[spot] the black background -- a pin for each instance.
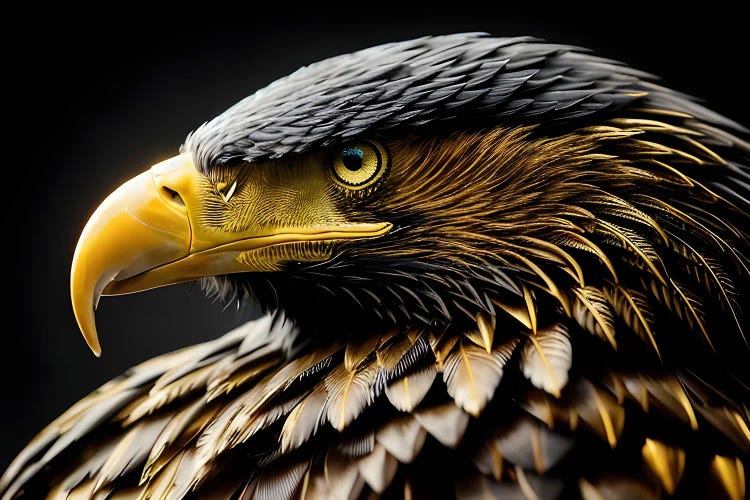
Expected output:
(88, 104)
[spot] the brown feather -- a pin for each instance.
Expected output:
(593, 313)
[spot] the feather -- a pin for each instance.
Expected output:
(518, 311)
(730, 423)
(342, 477)
(547, 357)
(348, 393)
(593, 313)
(358, 350)
(445, 422)
(279, 483)
(322, 362)
(357, 446)
(552, 287)
(612, 205)
(637, 244)
(378, 468)
(485, 334)
(472, 374)
(665, 463)
(728, 476)
(526, 487)
(225, 384)
(711, 274)
(553, 253)
(575, 240)
(187, 478)
(477, 486)
(403, 438)
(538, 486)
(304, 420)
(181, 428)
(681, 302)
(600, 411)
(88, 467)
(262, 419)
(408, 391)
(85, 491)
(170, 392)
(531, 446)
(633, 308)
(623, 487)
(161, 483)
(488, 459)
(131, 451)
(663, 392)
(390, 353)
(418, 354)
(247, 414)
(552, 411)
(441, 347)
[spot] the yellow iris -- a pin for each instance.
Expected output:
(359, 165)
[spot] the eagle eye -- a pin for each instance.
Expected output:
(359, 165)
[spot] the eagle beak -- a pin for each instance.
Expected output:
(149, 233)
(142, 225)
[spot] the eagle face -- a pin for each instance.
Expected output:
(423, 183)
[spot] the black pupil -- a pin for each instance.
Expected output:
(352, 158)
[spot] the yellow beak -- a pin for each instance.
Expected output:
(147, 234)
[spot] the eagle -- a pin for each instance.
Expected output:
(487, 267)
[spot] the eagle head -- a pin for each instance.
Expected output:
(463, 182)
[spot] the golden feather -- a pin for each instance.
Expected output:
(666, 463)
(600, 411)
(594, 314)
(357, 351)
(728, 474)
(633, 308)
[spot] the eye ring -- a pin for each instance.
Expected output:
(359, 165)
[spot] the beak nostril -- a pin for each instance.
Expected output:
(173, 195)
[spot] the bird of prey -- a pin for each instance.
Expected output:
(489, 267)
